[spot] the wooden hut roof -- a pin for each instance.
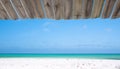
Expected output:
(59, 9)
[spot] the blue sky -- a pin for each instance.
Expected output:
(60, 36)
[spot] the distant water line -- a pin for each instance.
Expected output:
(85, 56)
(89, 56)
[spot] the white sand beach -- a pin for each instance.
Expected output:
(58, 63)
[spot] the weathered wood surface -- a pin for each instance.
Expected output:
(39, 8)
(26, 5)
(87, 8)
(3, 14)
(31, 8)
(10, 9)
(68, 7)
(48, 5)
(108, 8)
(116, 12)
(59, 9)
(77, 8)
(19, 8)
(97, 7)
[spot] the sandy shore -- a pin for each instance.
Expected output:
(58, 63)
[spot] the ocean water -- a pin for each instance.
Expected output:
(87, 56)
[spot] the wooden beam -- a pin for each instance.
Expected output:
(77, 8)
(58, 8)
(49, 8)
(10, 9)
(97, 7)
(19, 8)
(108, 8)
(31, 8)
(35, 8)
(116, 12)
(39, 8)
(26, 4)
(3, 14)
(68, 8)
(87, 8)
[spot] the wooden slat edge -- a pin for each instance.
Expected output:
(87, 8)
(39, 8)
(48, 8)
(116, 13)
(77, 8)
(68, 9)
(98, 4)
(10, 9)
(108, 8)
(19, 8)
(3, 14)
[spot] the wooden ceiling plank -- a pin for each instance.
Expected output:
(3, 14)
(34, 8)
(49, 8)
(108, 8)
(77, 8)
(58, 8)
(24, 7)
(68, 9)
(10, 9)
(116, 12)
(24, 2)
(87, 8)
(19, 8)
(39, 8)
(29, 8)
(97, 7)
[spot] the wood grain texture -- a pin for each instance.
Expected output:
(58, 8)
(39, 8)
(27, 6)
(68, 8)
(19, 8)
(77, 8)
(3, 14)
(49, 8)
(31, 8)
(10, 9)
(97, 7)
(116, 12)
(108, 8)
(87, 8)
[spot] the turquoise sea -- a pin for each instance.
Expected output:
(86, 56)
